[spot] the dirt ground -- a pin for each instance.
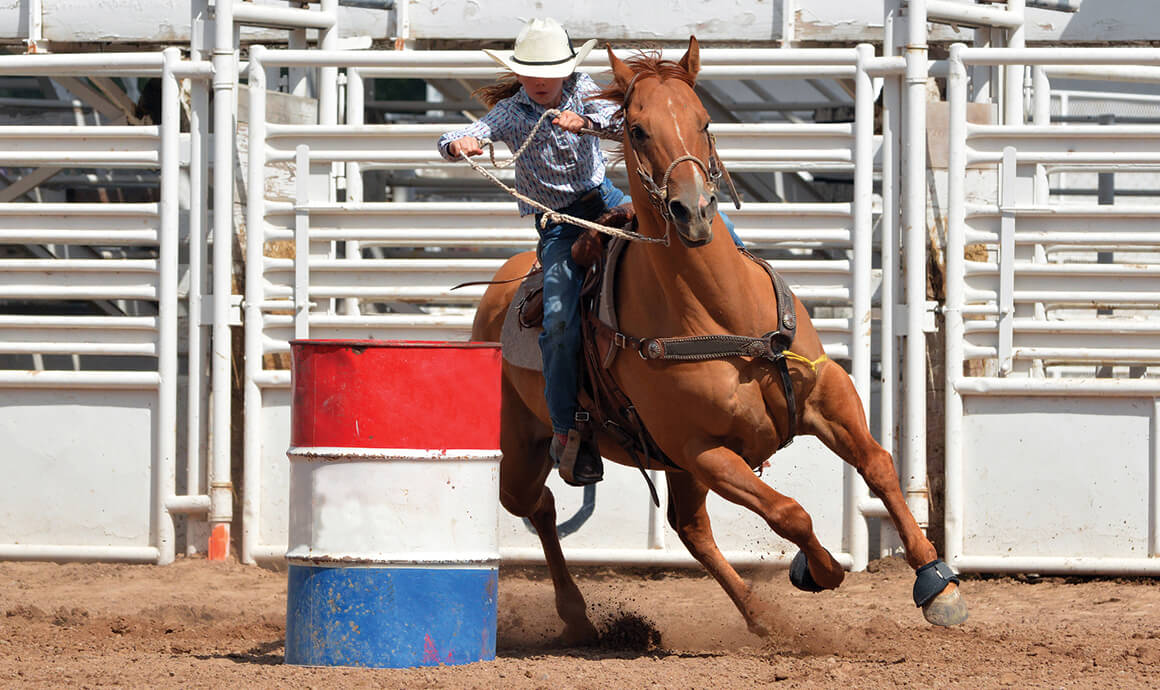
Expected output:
(200, 624)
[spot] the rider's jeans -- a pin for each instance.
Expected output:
(560, 340)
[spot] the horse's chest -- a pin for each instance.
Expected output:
(708, 396)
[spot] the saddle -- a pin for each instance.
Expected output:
(602, 404)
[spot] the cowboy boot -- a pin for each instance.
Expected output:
(579, 459)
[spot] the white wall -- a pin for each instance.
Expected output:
(715, 20)
(711, 20)
(145, 21)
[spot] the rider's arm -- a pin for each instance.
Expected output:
(494, 125)
(601, 113)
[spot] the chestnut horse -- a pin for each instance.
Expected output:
(718, 419)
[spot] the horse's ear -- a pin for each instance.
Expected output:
(621, 72)
(692, 60)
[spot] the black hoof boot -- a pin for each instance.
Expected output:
(799, 574)
(939, 608)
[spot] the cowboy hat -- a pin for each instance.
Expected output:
(543, 49)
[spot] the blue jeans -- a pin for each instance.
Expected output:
(560, 340)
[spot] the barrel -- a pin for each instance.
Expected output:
(393, 551)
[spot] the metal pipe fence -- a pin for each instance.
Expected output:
(1052, 331)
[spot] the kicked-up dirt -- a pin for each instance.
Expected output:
(200, 624)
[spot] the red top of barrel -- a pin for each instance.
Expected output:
(395, 394)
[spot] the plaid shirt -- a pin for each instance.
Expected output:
(558, 167)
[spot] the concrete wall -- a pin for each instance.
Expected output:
(808, 21)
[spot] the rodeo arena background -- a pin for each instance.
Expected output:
(267, 417)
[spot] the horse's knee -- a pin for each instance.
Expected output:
(790, 520)
(877, 469)
(525, 501)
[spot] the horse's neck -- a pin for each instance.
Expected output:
(694, 289)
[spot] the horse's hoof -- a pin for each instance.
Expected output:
(946, 609)
(799, 574)
(580, 635)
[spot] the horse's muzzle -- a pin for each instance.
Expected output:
(691, 240)
(695, 227)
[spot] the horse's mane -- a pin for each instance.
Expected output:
(645, 65)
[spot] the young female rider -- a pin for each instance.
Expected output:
(565, 171)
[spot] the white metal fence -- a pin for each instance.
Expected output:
(1053, 399)
(91, 455)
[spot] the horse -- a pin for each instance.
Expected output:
(719, 419)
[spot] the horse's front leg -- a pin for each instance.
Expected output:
(725, 473)
(522, 473)
(833, 413)
(570, 605)
(690, 520)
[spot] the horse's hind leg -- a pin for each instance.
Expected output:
(834, 414)
(727, 475)
(690, 520)
(524, 469)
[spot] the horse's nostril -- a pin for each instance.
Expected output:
(710, 209)
(679, 212)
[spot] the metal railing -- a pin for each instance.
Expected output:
(108, 481)
(1036, 310)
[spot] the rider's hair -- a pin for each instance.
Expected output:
(505, 87)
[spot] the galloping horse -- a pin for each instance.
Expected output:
(717, 419)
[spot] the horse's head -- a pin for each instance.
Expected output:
(667, 140)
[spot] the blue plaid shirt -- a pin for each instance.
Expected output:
(558, 167)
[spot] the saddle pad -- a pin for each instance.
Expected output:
(606, 309)
(521, 346)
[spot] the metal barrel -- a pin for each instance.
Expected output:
(394, 493)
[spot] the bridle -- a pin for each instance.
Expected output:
(659, 194)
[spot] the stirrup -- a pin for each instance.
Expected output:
(580, 463)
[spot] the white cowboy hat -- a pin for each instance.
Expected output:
(542, 49)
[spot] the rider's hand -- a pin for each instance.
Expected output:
(468, 146)
(571, 121)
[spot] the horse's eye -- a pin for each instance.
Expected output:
(637, 133)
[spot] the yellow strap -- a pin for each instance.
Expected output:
(804, 360)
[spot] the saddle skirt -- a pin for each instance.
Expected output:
(520, 343)
(523, 322)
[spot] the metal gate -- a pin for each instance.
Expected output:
(90, 452)
(1053, 337)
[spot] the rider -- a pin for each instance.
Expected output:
(564, 171)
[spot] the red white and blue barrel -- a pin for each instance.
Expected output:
(394, 493)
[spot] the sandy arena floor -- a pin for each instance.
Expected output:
(200, 624)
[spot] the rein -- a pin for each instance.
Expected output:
(550, 215)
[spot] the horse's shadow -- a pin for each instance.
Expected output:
(599, 654)
(271, 653)
(263, 654)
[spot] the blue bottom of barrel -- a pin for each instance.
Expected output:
(390, 617)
